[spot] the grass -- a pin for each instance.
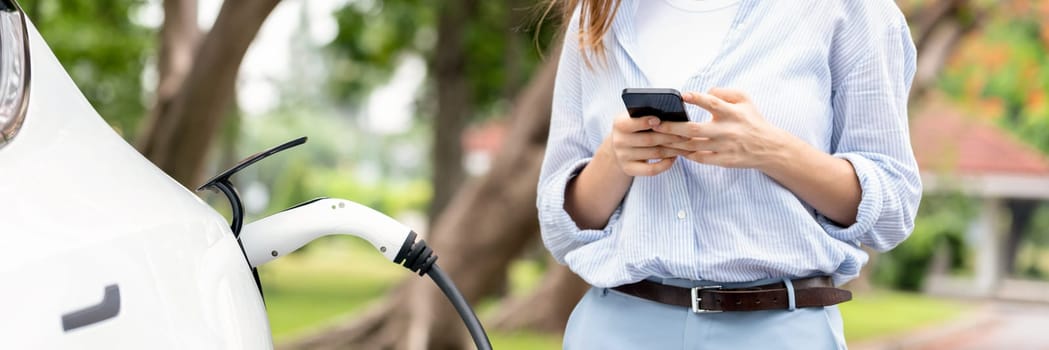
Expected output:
(885, 313)
(332, 281)
(313, 289)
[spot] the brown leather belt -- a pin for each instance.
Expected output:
(808, 292)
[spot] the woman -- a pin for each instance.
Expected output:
(797, 155)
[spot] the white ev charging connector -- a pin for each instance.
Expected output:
(284, 232)
(289, 230)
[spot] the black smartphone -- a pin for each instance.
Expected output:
(665, 104)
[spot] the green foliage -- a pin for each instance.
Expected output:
(942, 220)
(389, 197)
(103, 50)
(333, 163)
(1002, 73)
(374, 35)
(498, 37)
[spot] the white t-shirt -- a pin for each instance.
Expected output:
(678, 38)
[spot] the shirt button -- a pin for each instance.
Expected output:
(681, 214)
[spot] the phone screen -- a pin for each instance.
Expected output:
(665, 104)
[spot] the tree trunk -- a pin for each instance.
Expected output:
(488, 223)
(179, 36)
(930, 16)
(454, 102)
(547, 309)
(513, 67)
(938, 29)
(180, 132)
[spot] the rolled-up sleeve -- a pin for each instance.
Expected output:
(872, 83)
(566, 155)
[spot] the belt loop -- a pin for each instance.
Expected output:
(791, 305)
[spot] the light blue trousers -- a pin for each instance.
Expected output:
(606, 319)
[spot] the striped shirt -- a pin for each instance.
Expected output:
(835, 74)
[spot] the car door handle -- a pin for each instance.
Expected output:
(107, 309)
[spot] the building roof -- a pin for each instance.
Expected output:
(945, 141)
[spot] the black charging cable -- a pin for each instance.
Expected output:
(418, 257)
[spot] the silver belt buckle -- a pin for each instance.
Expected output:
(696, 299)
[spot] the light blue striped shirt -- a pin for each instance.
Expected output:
(834, 73)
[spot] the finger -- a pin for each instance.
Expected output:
(690, 129)
(690, 97)
(635, 124)
(712, 158)
(648, 139)
(644, 168)
(696, 144)
(729, 95)
(646, 153)
(709, 102)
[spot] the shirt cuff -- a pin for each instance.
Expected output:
(870, 206)
(560, 232)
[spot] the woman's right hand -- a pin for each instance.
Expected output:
(633, 145)
(594, 195)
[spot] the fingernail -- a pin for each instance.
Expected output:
(653, 121)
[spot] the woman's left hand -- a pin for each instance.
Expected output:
(737, 136)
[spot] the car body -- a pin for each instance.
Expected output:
(101, 249)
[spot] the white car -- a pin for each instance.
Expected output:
(103, 250)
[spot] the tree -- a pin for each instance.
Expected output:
(475, 54)
(186, 117)
(482, 230)
(454, 101)
(1000, 74)
(547, 308)
(938, 27)
(103, 50)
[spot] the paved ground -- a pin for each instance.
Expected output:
(1010, 326)
(1001, 325)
